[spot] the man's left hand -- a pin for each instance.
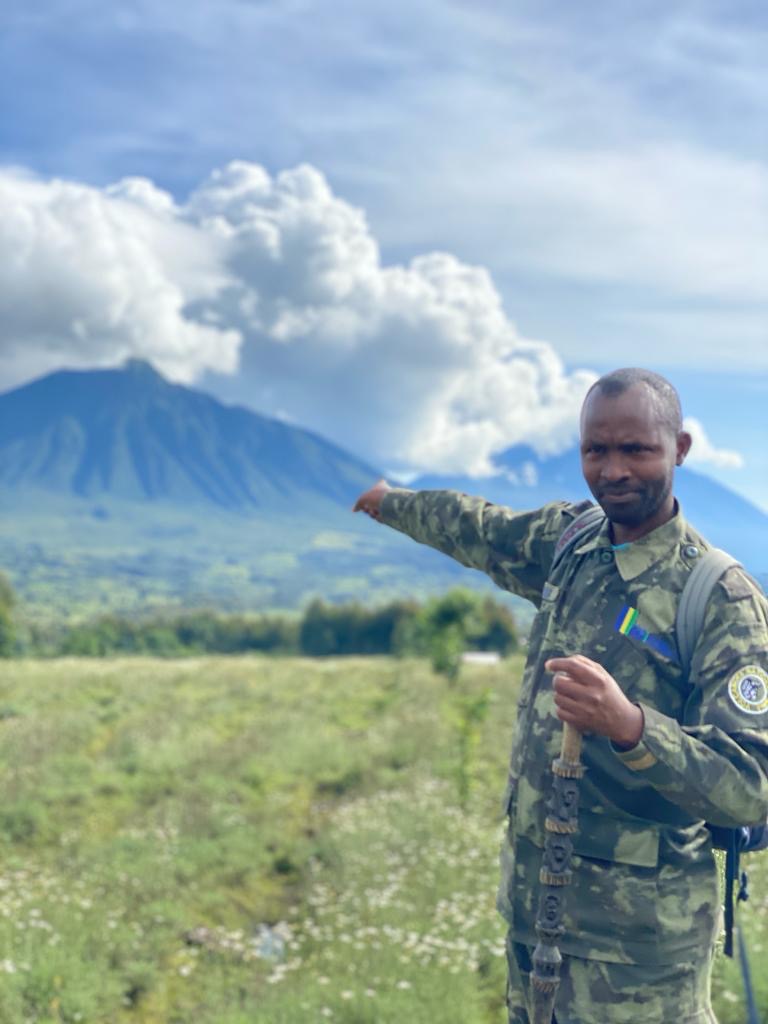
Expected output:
(590, 699)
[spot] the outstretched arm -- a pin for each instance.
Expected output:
(514, 548)
(454, 523)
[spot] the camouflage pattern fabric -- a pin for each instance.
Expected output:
(644, 887)
(596, 992)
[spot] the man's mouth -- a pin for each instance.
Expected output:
(619, 496)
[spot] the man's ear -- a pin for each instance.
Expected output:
(684, 442)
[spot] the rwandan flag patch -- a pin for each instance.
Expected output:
(626, 623)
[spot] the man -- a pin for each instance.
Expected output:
(664, 753)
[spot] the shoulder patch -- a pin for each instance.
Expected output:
(737, 584)
(748, 689)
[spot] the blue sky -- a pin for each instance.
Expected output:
(594, 175)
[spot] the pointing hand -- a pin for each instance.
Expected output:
(370, 500)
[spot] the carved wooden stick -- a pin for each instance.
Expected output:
(561, 823)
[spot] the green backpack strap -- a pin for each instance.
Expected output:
(586, 523)
(694, 599)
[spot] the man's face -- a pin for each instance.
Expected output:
(628, 457)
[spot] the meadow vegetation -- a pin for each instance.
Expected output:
(252, 839)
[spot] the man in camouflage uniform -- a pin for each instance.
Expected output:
(663, 753)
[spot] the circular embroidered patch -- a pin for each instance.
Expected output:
(748, 689)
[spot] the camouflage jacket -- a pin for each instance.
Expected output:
(644, 884)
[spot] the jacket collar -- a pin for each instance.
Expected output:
(633, 560)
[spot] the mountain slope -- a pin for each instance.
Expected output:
(130, 434)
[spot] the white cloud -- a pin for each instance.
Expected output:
(703, 452)
(90, 277)
(684, 221)
(418, 364)
(528, 475)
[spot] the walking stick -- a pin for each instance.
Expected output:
(555, 874)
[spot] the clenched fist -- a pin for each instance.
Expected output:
(590, 699)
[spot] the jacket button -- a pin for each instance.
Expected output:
(691, 551)
(606, 556)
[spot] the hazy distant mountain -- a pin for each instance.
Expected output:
(722, 516)
(129, 433)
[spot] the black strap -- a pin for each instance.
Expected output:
(731, 874)
(746, 977)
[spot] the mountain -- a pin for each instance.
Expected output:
(120, 490)
(527, 481)
(130, 434)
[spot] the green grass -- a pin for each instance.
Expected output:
(250, 840)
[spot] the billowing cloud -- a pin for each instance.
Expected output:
(90, 277)
(415, 365)
(703, 452)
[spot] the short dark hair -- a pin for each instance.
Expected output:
(665, 394)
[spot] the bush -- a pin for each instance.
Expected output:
(352, 629)
(459, 619)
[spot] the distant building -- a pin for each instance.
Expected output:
(481, 658)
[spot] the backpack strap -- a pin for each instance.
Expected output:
(584, 524)
(694, 599)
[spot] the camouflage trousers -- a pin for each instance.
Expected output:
(596, 992)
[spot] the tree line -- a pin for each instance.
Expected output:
(458, 620)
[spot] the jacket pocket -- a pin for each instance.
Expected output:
(612, 909)
(601, 837)
(615, 885)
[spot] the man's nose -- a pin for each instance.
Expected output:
(614, 468)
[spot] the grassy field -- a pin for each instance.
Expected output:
(254, 840)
